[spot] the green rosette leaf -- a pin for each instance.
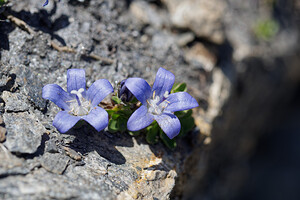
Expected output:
(170, 143)
(179, 87)
(186, 120)
(152, 133)
(116, 99)
(134, 133)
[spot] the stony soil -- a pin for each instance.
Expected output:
(238, 78)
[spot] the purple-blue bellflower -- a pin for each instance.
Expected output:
(79, 103)
(158, 104)
(124, 94)
(46, 3)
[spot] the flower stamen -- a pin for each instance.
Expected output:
(81, 106)
(155, 105)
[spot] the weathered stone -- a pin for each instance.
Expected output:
(72, 154)
(148, 14)
(185, 38)
(1, 107)
(200, 57)
(15, 102)
(50, 146)
(11, 165)
(24, 132)
(55, 163)
(2, 133)
(116, 165)
(203, 17)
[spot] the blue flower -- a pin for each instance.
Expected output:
(124, 94)
(46, 3)
(79, 103)
(158, 104)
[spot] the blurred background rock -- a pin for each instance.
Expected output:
(240, 60)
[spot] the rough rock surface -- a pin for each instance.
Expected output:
(233, 81)
(24, 132)
(203, 17)
(15, 102)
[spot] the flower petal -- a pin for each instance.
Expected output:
(46, 3)
(169, 123)
(75, 79)
(63, 121)
(139, 88)
(180, 101)
(57, 95)
(97, 117)
(139, 119)
(164, 81)
(124, 94)
(98, 91)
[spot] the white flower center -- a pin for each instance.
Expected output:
(156, 106)
(79, 106)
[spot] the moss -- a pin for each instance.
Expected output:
(266, 29)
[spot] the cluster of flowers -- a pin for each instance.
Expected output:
(157, 104)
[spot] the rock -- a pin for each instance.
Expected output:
(148, 14)
(15, 102)
(24, 132)
(203, 17)
(2, 134)
(185, 38)
(55, 163)
(1, 108)
(72, 154)
(50, 146)
(11, 165)
(200, 57)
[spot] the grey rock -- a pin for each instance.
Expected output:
(50, 146)
(2, 134)
(1, 108)
(117, 166)
(203, 17)
(55, 163)
(201, 57)
(12, 165)
(15, 102)
(185, 38)
(146, 13)
(24, 132)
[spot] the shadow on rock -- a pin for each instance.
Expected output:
(40, 20)
(86, 139)
(5, 29)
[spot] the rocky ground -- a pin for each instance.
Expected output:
(239, 59)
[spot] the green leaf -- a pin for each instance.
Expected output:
(116, 99)
(184, 113)
(2, 2)
(134, 100)
(179, 87)
(117, 123)
(110, 112)
(115, 116)
(134, 133)
(187, 124)
(122, 124)
(171, 144)
(152, 133)
(113, 126)
(126, 111)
